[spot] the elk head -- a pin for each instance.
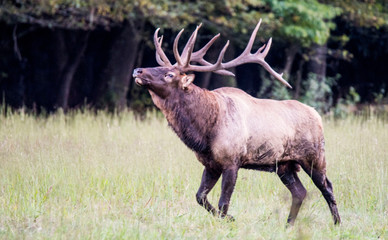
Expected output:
(167, 78)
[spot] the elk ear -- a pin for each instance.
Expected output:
(187, 80)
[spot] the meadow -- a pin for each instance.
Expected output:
(99, 176)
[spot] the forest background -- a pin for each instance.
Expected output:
(69, 167)
(71, 54)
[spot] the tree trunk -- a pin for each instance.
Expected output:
(117, 73)
(70, 66)
(298, 80)
(317, 64)
(18, 94)
(290, 56)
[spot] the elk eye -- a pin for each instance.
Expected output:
(170, 75)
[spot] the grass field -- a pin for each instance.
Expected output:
(87, 176)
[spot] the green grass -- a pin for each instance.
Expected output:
(87, 176)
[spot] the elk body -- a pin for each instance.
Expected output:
(229, 130)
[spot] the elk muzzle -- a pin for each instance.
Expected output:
(137, 75)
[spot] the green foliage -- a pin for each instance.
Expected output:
(238, 16)
(174, 14)
(273, 89)
(318, 92)
(344, 106)
(303, 22)
(353, 96)
(66, 14)
(300, 22)
(92, 13)
(381, 96)
(363, 13)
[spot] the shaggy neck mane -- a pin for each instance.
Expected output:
(192, 115)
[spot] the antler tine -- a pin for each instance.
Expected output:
(275, 74)
(188, 50)
(244, 56)
(159, 60)
(266, 66)
(248, 48)
(162, 58)
(203, 62)
(260, 49)
(222, 53)
(212, 67)
(175, 48)
(196, 56)
(247, 57)
(266, 49)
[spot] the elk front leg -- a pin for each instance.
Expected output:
(288, 174)
(229, 177)
(209, 179)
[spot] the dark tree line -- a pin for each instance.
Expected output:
(61, 54)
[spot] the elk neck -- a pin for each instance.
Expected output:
(192, 115)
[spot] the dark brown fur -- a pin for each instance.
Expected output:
(195, 134)
(228, 130)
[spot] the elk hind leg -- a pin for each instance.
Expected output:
(288, 175)
(324, 185)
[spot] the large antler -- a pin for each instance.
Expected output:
(187, 56)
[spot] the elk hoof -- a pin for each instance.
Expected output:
(227, 217)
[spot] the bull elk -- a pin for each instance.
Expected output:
(228, 129)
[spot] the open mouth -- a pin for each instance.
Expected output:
(139, 81)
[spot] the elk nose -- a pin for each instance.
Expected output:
(137, 71)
